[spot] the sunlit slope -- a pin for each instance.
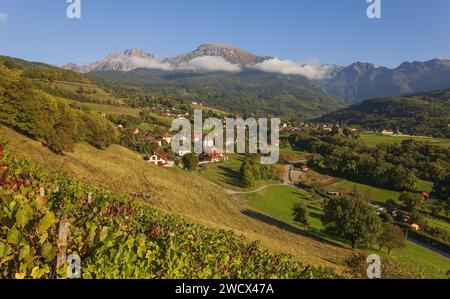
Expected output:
(121, 170)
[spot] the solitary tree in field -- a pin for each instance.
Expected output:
(353, 220)
(392, 237)
(300, 213)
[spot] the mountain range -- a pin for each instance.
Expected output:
(351, 84)
(360, 81)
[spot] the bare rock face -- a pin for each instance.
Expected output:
(125, 61)
(132, 59)
(72, 67)
(231, 54)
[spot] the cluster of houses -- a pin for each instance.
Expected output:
(389, 132)
(290, 127)
(161, 158)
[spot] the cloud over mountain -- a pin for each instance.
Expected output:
(313, 69)
(140, 62)
(213, 63)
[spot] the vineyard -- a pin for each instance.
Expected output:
(46, 216)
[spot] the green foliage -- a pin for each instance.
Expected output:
(301, 214)
(190, 162)
(35, 70)
(252, 171)
(412, 201)
(392, 237)
(250, 93)
(442, 187)
(393, 166)
(423, 114)
(47, 118)
(117, 237)
(351, 219)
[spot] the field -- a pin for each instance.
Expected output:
(108, 109)
(182, 193)
(277, 202)
(374, 139)
(226, 174)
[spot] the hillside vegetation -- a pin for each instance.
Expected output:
(120, 170)
(117, 237)
(46, 117)
(249, 92)
(426, 114)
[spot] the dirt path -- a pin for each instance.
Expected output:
(286, 182)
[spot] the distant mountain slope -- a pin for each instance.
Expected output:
(231, 54)
(419, 114)
(125, 61)
(249, 92)
(361, 81)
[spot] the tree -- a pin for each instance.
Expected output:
(412, 201)
(300, 213)
(352, 219)
(436, 207)
(248, 178)
(417, 218)
(442, 187)
(190, 161)
(335, 130)
(392, 237)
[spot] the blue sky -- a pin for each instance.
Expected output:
(333, 31)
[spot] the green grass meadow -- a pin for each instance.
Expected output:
(278, 201)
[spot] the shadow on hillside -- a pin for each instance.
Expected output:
(231, 175)
(287, 227)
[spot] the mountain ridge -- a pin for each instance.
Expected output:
(350, 84)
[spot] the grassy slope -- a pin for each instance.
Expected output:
(121, 170)
(278, 202)
(227, 175)
(373, 139)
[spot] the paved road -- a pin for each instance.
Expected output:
(435, 250)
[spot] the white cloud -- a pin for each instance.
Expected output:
(150, 63)
(312, 69)
(213, 63)
(138, 62)
(3, 17)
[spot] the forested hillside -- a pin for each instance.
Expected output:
(420, 114)
(249, 92)
(48, 118)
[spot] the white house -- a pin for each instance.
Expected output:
(387, 132)
(161, 159)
